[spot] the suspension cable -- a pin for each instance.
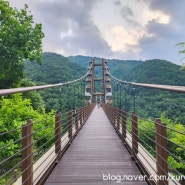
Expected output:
(4, 92)
(155, 86)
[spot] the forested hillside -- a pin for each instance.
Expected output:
(55, 68)
(150, 102)
(83, 61)
(120, 68)
(149, 71)
(157, 72)
(22, 64)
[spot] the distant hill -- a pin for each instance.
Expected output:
(55, 68)
(151, 71)
(83, 61)
(120, 68)
(157, 72)
(149, 103)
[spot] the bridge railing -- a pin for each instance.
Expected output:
(33, 163)
(151, 146)
(29, 149)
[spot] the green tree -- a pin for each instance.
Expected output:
(20, 39)
(13, 113)
(181, 44)
(181, 51)
(37, 101)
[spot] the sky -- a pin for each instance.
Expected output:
(119, 29)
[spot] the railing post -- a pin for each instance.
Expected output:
(81, 117)
(161, 151)
(76, 120)
(134, 134)
(58, 135)
(110, 113)
(84, 116)
(27, 153)
(70, 131)
(124, 122)
(89, 111)
(15, 175)
(85, 113)
(118, 119)
(114, 116)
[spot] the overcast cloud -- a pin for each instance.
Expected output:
(134, 29)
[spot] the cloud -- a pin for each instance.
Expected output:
(126, 12)
(122, 40)
(153, 27)
(128, 15)
(68, 27)
(167, 6)
(159, 41)
(138, 29)
(164, 32)
(117, 3)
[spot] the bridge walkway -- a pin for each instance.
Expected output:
(95, 156)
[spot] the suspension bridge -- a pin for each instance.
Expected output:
(99, 142)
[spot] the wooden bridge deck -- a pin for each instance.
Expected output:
(95, 156)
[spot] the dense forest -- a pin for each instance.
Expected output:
(55, 69)
(24, 64)
(149, 103)
(41, 106)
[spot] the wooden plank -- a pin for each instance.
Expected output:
(96, 154)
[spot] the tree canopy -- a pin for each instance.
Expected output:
(20, 39)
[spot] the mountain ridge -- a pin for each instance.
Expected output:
(57, 68)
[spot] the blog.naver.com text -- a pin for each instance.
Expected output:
(123, 178)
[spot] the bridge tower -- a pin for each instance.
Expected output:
(98, 82)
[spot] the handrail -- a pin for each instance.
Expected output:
(155, 86)
(4, 92)
(116, 116)
(35, 150)
(152, 152)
